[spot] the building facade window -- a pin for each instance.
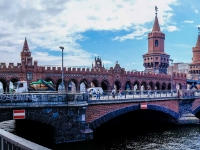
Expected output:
(156, 43)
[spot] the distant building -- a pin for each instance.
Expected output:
(179, 67)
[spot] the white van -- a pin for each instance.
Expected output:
(92, 91)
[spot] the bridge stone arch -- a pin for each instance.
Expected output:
(164, 110)
(136, 85)
(72, 85)
(4, 83)
(58, 82)
(128, 85)
(151, 85)
(94, 83)
(85, 82)
(157, 86)
(163, 86)
(11, 82)
(14, 79)
(103, 119)
(169, 86)
(105, 85)
(144, 83)
(117, 84)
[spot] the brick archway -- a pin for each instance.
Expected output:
(103, 119)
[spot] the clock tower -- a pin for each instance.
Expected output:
(97, 63)
(156, 60)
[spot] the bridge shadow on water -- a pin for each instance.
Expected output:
(130, 125)
(36, 132)
(134, 124)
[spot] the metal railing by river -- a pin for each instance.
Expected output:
(9, 141)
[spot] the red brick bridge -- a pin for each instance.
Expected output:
(75, 117)
(185, 110)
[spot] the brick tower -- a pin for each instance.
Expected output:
(194, 72)
(156, 60)
(26, 58)
(97, 63)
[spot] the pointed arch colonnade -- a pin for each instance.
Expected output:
(79, 84)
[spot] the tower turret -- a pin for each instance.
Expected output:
(195, 65)
(97, 63)
(26, 58)
(156, 60)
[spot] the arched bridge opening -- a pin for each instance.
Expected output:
(133, 121)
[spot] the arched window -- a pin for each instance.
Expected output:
(156, 43)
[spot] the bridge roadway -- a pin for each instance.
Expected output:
(75, 116)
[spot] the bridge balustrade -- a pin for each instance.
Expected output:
(145, 94)
(9, 141)
(30, 99)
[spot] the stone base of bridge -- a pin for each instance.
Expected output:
(188, 118)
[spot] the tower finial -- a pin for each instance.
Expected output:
(156, 9)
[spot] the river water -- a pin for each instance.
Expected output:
(158, 137)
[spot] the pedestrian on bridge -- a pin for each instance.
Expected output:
(113, 93)
(120, 93)
(98, 94)
(149, 91)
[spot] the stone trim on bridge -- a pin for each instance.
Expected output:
(97, 115)
(196, 106)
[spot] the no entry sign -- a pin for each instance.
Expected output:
(143, 106)
(19, 114)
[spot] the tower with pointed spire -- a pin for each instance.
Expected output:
(156, 60)
(194, 69)
(97, 63)
(26, 58)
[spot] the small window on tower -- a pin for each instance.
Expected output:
(156, 43)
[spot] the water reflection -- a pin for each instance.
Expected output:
(168, 137)
(174, 137)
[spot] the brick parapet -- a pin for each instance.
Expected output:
(196, 104)
(94, 112)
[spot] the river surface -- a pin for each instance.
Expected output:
(173, 137)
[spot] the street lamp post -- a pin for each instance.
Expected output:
(171, 73)
(62, 84)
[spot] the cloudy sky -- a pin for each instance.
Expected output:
(115, 30)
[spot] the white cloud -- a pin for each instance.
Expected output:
(172, 28)
(188, 21)
(196, 11)
(47, 25)
(138, 33)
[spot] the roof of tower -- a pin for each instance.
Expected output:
(156, 26)
(25, 47)
(198, 40)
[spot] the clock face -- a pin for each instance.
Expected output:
(98, 62)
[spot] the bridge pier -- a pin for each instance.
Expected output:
(72, 127)
(185, 111)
